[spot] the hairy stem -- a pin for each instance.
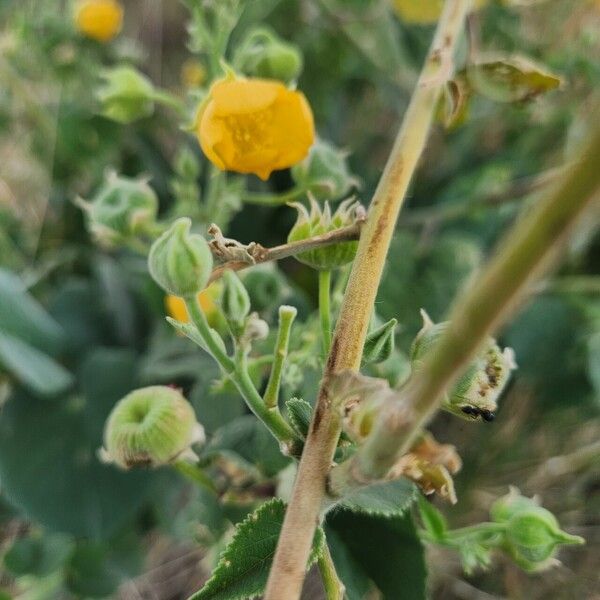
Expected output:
(274, 199)
(525, 253)
(238, 372)
(334, 588)
(287, 314)
(262, 255)
(325, 309)
(287, 572)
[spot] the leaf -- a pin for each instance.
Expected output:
(22, 317)
(387, 550)
(433, 519)
(510, 78)
(34, 369)
(299, 412)
(244, 566)
(38, 555)
(79, 494)
(385, 499)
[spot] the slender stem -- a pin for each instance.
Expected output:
(267, 199)
(287, 572)
(525, 253)
(195, 474)
(238, 372)
(261, 255)
(334, 588)
(287, 314)
(325, 309)
(271, 417)
(167, 99)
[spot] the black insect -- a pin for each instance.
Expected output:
(475, 412)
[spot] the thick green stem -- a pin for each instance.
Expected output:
(267, 199)
(526, 252)
(325, 309)
(289, 564)
(334, 588)
(238, 372)
(195, 474)
(287, 314)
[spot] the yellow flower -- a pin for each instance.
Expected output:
(99, 19)
(207, 299)
(255, 126)
(423, 11)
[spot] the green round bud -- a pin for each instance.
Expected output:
(264, 54)
(152, 426)
(475, 395)
(235, 301)
(122, 208)
(179, 261)
(126, 95)
(532, 533)
(324, 172)
(266, 286)
(320, 222)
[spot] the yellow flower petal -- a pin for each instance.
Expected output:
(99, 19)
(255, 126)
(207, 298)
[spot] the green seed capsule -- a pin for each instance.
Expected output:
(532, 535)
(324, 172)
(475, 394)
(179, 261)
(320, 222)
(152, 426)
(122, 208)
(235, 301)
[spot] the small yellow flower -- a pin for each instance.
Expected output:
(100, 20)
(255, 126)
(423, 11)
(193, 73)
(207, 299)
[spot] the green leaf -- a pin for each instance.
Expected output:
(299, 412)
(22, 317)
(510, 78)
(387, 550)
(244, 565)
(34, 369)
(38, 555)
(386, 499)
(433, 519)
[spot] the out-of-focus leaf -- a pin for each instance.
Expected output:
(594, 361)
(433, 519)
(79, 495)
(34, 369)
(22, 316)
(38, 554)
(510, 78)
(241, 573)
(388, 551)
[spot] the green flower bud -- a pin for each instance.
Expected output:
(379, 344)
(324, 172)
(179, 261)
(532, 535)
(122, 208)
(152, 426)
(126, 95)
(264, 54)
(234, 301)
(319, 222)
(475, 394)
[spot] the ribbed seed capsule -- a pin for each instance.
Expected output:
(150, 427)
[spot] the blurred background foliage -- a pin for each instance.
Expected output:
(81, 326)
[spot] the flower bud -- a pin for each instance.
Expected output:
(234, 301)
(324, 172)
(379, 344)
(264, 54)
(152, 426)
(100, 20)
(122, 208)
(179, 261)
(319, 222)
(532, 533)
(266, 286)
(475, 394)
(126, 95)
